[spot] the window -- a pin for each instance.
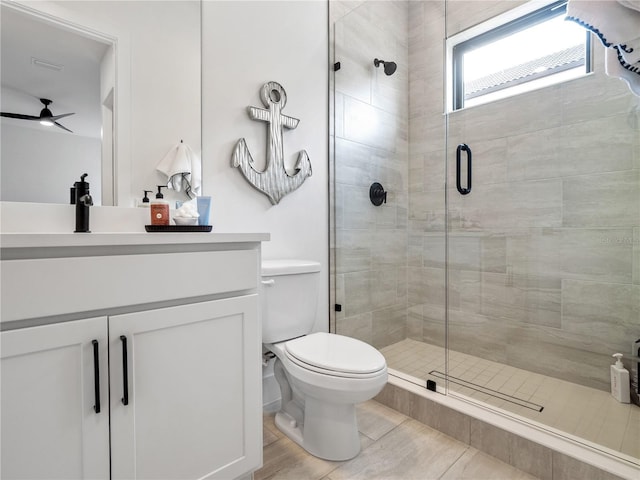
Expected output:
(505, 55)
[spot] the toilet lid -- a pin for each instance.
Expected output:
(336, 353)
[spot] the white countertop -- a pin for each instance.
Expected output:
(44, 240)
(36, 225)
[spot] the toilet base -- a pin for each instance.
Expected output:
(329, 430)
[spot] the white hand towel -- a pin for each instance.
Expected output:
(635, 4)
(615, 69)
(183, 170)
(617, 25)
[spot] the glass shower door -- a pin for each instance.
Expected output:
(542, 253)
(389, 285)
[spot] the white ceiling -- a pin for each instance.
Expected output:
(76, 88)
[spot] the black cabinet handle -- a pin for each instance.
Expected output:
(96, 375)
(125, 371)
(463, 147)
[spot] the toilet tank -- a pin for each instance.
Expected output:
(290, 291)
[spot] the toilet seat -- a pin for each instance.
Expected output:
(335, 355)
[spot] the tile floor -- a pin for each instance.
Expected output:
(394, 446)
(581, 411)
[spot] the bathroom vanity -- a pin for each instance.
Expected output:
(130, 355)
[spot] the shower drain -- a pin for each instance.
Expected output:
(494, 393)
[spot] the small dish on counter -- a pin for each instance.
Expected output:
(185, 220)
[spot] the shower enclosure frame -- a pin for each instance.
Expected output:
(448, 216)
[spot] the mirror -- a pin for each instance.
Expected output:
(46, 64)
(130, 74)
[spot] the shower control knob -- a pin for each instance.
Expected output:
(377, 195)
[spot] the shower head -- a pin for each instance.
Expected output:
(389, 67)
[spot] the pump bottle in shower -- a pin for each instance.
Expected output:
(620, 380)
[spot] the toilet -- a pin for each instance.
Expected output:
(322, 376)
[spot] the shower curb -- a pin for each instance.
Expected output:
(533, 450)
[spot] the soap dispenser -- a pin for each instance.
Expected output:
(620, 380)
(83, 201)
(144, 203)
(159, 208)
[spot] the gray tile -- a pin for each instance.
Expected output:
(489, 162)
(433, 327)
(452, 423)
(475, 465)
(608, 312)
(415, 322)
(611, 199)
(568, 468)
(427, 133)
(360, 119)
(535, 155)
(338, 115)
(284, 459)
(411, 450)
(389, 325)
(397, 398)
(426, 285)
(560, 354)
(485, 252)
(270, 432)
(384, 292)
(584, 254)
(376, 420)
(357, 326)
(491, 440)
(357, 290)
(479, 335)
(428, 207)
(594, 93)
(532, 458)
(509, 206)
(521, 298)
(357, 210)
(636, 256)
(353, 250)
(388, 248)
(464, 14)
(601, 144)
(355, 161)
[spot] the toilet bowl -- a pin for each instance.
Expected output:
(322, 376)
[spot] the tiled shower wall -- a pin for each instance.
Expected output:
(371, 145)
(544, 254)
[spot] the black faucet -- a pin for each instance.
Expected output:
(83, 201)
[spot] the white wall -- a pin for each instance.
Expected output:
(246, 44)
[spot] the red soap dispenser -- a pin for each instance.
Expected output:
(159, 209)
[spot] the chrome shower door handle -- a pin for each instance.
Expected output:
(463, 147)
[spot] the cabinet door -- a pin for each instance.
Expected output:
(50, 427)
(193, 384)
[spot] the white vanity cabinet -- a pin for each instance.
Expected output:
(179, 371)
(50, 425)
(185, 390)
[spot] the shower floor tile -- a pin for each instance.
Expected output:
(588, 413)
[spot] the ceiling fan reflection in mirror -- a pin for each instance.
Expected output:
(45, 118)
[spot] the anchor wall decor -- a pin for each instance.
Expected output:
(275, 182)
